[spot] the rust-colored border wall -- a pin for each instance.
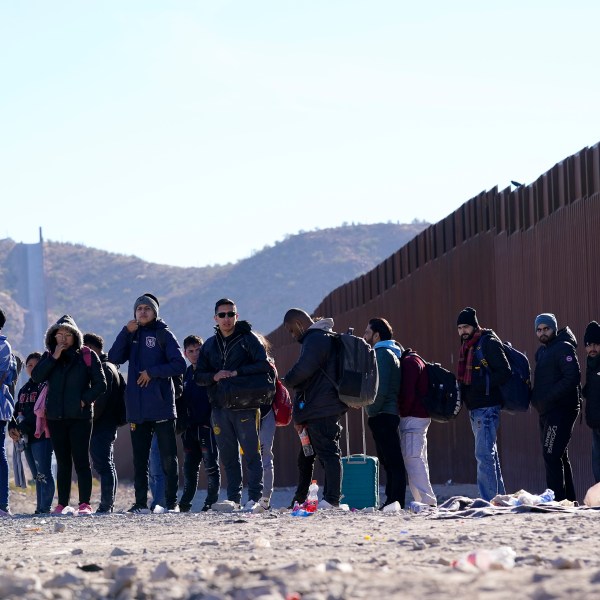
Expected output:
(511, 255)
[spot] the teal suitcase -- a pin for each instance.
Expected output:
(360, 475)
(360, 481)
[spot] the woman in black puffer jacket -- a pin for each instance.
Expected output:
(75, 380)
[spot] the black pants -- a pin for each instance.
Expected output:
(384, 427)
(141, 440)
(324, 435)
(556, 428)
(71, 443)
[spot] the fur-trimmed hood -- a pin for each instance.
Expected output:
(65, 322)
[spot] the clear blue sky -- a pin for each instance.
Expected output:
(192, 133)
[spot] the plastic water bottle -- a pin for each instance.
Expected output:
(312, 500)
(306, 445)
(487, 559)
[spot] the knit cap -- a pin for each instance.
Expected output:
(148, 299)
(547, 319)
(592, 334)
(468, 316)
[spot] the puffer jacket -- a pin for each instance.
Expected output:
(557, 375)
(388, 366)
(489, 375)
(70, 380)
(316, 396)
(242, 351)
(143, 350)
(591, 392)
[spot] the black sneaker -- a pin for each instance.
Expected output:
(139, 509)
(206, 507)
(101, 510)
(185, 507)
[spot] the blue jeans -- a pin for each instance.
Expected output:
(3, 468)
(233, 428)
(39, 458)
(266, 437)
(199, 445)
(485, 423)
(101, 451)
(156, 477)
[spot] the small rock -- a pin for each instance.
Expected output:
(59, 527)
(162, 571)
(567, 563)
(116, 551)
(76, 551)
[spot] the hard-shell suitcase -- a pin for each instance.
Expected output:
(360, 475)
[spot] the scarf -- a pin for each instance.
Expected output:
(465, 361)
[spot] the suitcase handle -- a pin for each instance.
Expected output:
(364, 439)
(357, 458)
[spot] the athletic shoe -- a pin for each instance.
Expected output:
(185, 508)
(173, 509)
(84, 509)
(103, 511)
(323, 504)
(139, 509)
(205, 507)
(265, 503)
(252, 506)
(159, 510)
(58, 510)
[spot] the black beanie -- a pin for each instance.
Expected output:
(592, 333)
(467, 316)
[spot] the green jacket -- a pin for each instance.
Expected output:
(386, 400)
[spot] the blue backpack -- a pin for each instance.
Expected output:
(516, 392)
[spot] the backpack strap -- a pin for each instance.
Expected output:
(86, 354)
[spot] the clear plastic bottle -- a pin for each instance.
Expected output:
(312, 500)
(487, 559)
(306, 445)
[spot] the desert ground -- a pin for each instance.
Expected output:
(328, 556)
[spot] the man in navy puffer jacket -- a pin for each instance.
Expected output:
(154, 357)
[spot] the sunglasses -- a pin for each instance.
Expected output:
(230, 313)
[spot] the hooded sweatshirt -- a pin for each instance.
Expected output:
(70, 381)
(388, 353)
(316, 396)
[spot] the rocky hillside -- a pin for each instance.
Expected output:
(98, 288)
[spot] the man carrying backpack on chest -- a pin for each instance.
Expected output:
(154, 358)
(234, 352)
(482, 369)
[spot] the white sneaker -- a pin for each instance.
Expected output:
(326, 506)
(175, 509)
(225, 506)
(252, 506)
(159, 510)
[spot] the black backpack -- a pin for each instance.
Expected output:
(357, 375)
(442, 401)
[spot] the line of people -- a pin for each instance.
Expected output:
(86, 403)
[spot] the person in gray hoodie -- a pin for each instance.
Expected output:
(317, 407)
(383, 413)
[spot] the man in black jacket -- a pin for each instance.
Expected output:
(109, 414)
(482, 369)
(317, 406)
(556, 398)
(234, 351)
(591, 391)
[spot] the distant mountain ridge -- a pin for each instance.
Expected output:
(98, 288)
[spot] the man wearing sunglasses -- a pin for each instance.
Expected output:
(235, 351)
(556, 398)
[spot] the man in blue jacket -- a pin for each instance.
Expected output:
(154, 358)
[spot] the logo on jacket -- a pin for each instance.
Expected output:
(150, 342)
(569, 359)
